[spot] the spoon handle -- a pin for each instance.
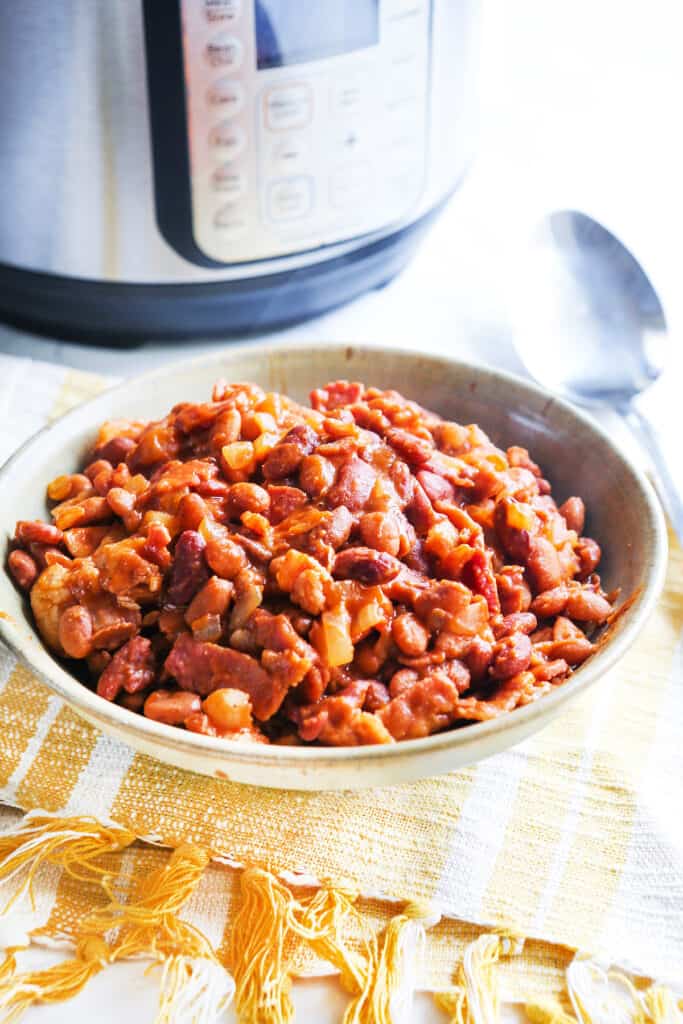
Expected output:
(670, 491)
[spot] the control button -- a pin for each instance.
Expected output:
(227, 94)
(230, 180)
(290, 198)
(223, 10)
(289, 106)
(349, 184)
(225, 51)
(347, 96)
(290, 152)
(228, 137)
(230, 221)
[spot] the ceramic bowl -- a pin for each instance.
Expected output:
(577, 457)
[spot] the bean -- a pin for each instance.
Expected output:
(588, 606)
(316, 475)
(41, 533)
(23, 569)
(573, 651)
(589, 554)
(75, 631)
(366, 565)
(510, 656)
(189, 571)
(550, 602)
(170, 707)
(574, 512)
(246, 497)
(518, 622)
(543, 564)
(409, 635)
(380, 530)
(117, 450)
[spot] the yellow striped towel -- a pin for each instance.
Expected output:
(573, 840)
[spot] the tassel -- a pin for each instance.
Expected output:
(55, 984)
(548, 1012)
(70, 843)
(599, 996)
(475, 997)
(662, 1006)
(193, 990)
(387, 996)
(323, 923)
(256, 952)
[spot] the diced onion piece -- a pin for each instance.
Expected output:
(238, 454)
(333, 639)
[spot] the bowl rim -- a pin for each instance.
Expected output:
(31, 651)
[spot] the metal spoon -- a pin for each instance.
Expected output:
(590, 326)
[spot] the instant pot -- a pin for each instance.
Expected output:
(180, 167)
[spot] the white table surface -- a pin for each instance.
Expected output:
(581, 109)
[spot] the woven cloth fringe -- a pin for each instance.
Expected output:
(198, 981)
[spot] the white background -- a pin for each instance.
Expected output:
(582, 108)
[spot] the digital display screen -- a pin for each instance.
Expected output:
(296, 31)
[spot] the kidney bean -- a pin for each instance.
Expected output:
(513, 522)
(435, 487)
(354, 484)
(518, 622)
(75, 631)
(419, 511)
(550, 602)
(116, 450)
(171, 707)
(132, 701)
(510, 656)
(189, 571)
(132, 668)
(543, 565)
(409, 635)
(366, 565)
(41, 533)
(574, 512)
(587, 606)
(23, 569)
(589, 554)
(415, 450)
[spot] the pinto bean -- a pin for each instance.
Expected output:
(589, 554)
(41, 533)
(316, 475)
(478, 657)
(354, 484)
(513, 590)
(115, 451)
(574, 512)
(550, 602)
(543, 565)
(23, 569)
(587, 606)
(380, 530)
(574, 650)
(246, 497)
(409, 635)
(511, 655)
(366, 565)
(171, 707)
(518, 622)
(75, 631)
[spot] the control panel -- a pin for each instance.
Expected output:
(306, 122)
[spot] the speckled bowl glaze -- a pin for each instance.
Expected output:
(577, 457)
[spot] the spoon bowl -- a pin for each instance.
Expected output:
(589, 326)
